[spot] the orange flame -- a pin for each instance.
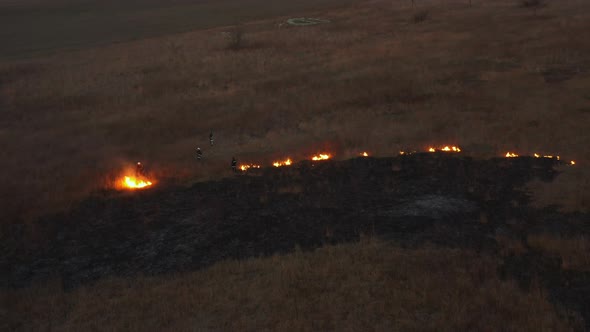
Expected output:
(402, 153)
(364, 154)
(130, 182)
(511, 155)
(321, 156)
(547, 156)
(572, 162)
(446, 148)
(287, 162)
(452, 148)
(246, 167)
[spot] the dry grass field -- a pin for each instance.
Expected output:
(574, 251)
(490, 77)
(85, 93)
(368, 286)
(30, 28)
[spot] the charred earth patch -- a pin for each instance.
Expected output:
(424, 198)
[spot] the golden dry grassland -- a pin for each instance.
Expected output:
(491, 77)
(574, 251)
(367, 286)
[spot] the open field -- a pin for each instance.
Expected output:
(88, 88)
(36, 27)
(417, 201)
(365, 286)
(492, 77)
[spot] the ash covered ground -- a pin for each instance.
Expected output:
(419, 199)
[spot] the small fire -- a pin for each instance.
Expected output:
(446, 148)
(364, 154)
(244, 168)
(572, 162)
(452, 148)
(131, 182)
(551, 157)
(511, 155)
(287, 162)
(321, 156)
(546, 156)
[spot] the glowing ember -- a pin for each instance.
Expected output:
(131, 182)
(547, 156)
(572, 162)
(446, 148)
(511, 155)
(287, 162)
(402, 153)
(244, 168)
(451, 148)
(364, 154)
(321, 156)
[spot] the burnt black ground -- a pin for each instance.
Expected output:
(438, 198)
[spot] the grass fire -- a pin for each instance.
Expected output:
(321, 156)
(445, 148)
(246, 167)
(139, 179)
(132, 183)
(286, 162)
(419, 153)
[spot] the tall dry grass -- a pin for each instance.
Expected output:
(357, 287)
(482, 76)
(574, 251)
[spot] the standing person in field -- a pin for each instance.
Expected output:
(211, 138)
(199, 154)
(139, 170)
(234, 164)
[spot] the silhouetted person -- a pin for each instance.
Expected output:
(211, 138)
(234, 164)
(139, 170)
(199, 154)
